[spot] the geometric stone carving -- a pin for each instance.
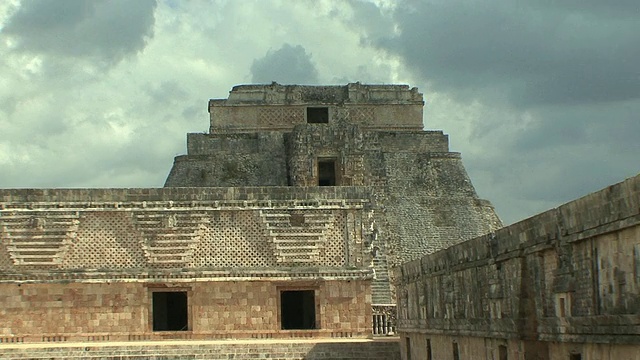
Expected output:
(169, 238)
(36, 239)
(297, 236)
(280, 115)
(363, 115)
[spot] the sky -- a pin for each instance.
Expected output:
(541, 97)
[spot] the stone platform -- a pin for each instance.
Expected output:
(326, 349)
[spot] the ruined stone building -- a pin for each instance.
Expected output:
(564, 284)
(281, 222)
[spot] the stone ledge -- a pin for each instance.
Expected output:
(297, 349)
(190, 276)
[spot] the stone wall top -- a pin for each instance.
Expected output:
(354, 93)
(175, 195)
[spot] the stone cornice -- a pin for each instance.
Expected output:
(182, 205)
(187, 276)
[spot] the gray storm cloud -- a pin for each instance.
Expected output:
(108, 30)
(561, 80)
(537, 53)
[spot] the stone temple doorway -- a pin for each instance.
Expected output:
(297, 309)
(170, 311)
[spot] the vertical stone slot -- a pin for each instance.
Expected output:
(170, 312)
(298, 310)
(456, 351)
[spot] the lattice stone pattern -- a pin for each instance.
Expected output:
(161, 238)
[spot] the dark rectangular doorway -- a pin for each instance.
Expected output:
(170, 311)
(502, 352)
(327, 172)
(298, 310)
(317, 115)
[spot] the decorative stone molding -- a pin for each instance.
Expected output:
(290, 274)
(297, 237)
(37, 239)
(169, 238)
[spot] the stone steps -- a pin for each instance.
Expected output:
(380, 290)
(237, 350)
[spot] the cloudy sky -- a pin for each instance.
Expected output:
(541, 97)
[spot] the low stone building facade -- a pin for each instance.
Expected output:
(564, 284)
(143, 264)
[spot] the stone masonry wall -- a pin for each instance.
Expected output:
(563, 282)
(117, 310)
(231, 160)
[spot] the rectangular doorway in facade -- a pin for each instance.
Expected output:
(502, 352)
(317, 115)
(327, 174)
(170, 311)
(297, 309)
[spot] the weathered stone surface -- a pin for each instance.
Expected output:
(565, 281)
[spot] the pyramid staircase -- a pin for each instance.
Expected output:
(380, 290)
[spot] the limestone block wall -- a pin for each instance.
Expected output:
(117, 310)
(563, 283)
